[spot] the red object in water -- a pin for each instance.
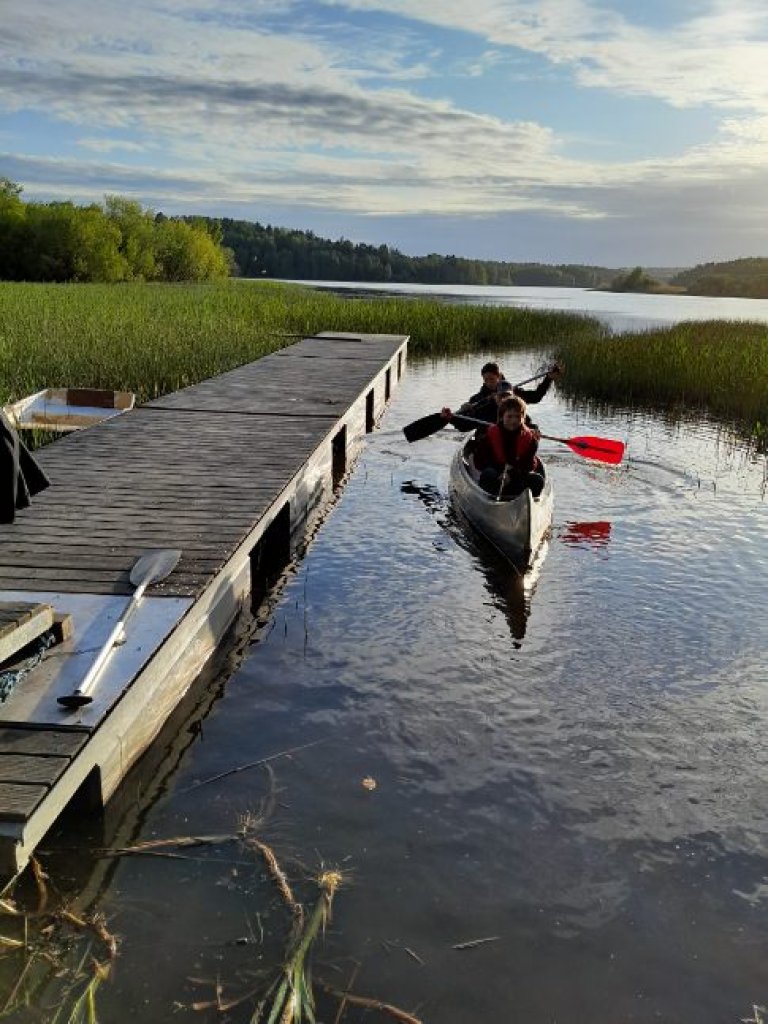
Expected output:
(602, 449)
(596, 533)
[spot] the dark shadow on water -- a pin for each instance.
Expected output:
(511, 590)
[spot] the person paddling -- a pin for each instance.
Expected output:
(506, 454)
(484, 405)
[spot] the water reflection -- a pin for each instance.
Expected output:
(573, 759)
(510, 589)
(590, 534)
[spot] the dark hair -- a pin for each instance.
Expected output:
(515, 402)
(490, 368)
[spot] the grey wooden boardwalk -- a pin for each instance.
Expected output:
(195, 470)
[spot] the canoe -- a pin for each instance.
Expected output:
(65, 409)
(516, 527)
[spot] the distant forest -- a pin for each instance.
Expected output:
(747, 278)
(266, 251)
(121, 241)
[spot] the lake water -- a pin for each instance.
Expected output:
(573, 765)
(622, 311)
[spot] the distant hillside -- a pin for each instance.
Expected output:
(745, 277)
(266, 251)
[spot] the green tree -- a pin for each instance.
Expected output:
(187, 253)
(137, 236)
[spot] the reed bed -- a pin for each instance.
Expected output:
(717, 367)
(155, 338)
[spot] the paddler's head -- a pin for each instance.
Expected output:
(512, 413)
(491, 375)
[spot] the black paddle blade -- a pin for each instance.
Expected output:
(424, 427)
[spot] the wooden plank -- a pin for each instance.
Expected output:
(32, 573)
(52, 542)
(27, 768)
(42, 742)
(18, 801)
(68, 558)
(18, 633)
(187, 587)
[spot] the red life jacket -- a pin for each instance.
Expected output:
(524, 442)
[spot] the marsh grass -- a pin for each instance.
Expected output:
(152, 339)
(715, 367)
(156, 338)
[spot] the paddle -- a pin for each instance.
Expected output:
(601, 449)
(151, 567)
(429, 425)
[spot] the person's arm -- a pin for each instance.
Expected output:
(529, 462)
(534, 395)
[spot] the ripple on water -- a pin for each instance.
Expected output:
(576, 764)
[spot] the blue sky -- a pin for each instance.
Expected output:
(554, 131)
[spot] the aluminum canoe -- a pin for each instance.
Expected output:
(516, 527)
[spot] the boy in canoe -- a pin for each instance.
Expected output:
(485, 404)
(506, 453)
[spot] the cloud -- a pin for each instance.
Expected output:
(259, 104)
(717, 57)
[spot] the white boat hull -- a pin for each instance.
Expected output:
(64, 409)
(516, 527)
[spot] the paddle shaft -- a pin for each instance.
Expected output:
(158, 565)
(102, 657)
(600, 449)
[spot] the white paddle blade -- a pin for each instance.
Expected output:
(154, 566)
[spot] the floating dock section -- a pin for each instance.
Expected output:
(230, 471)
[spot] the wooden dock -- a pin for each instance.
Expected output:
(230, 471)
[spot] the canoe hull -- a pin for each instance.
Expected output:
(515, 527)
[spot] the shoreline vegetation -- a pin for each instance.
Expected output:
(121, 241)
(154, 338)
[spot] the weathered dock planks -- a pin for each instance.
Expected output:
(229, 471)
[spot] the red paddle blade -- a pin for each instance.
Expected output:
(602, 449)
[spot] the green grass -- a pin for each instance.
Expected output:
(155, 338)
(717, 367)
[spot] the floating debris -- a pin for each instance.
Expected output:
(472, 943)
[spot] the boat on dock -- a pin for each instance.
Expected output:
(515, 526)
(62, 410)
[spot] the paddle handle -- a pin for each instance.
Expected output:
(102, 657)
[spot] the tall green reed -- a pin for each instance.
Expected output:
(717, 367)
(152, 338)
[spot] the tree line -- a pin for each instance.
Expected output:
(118, 241)
(121, 241)
(266, 251)
(747, 278)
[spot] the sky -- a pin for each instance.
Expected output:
(556, 131)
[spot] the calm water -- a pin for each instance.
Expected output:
(575, 764)
(621, 311)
